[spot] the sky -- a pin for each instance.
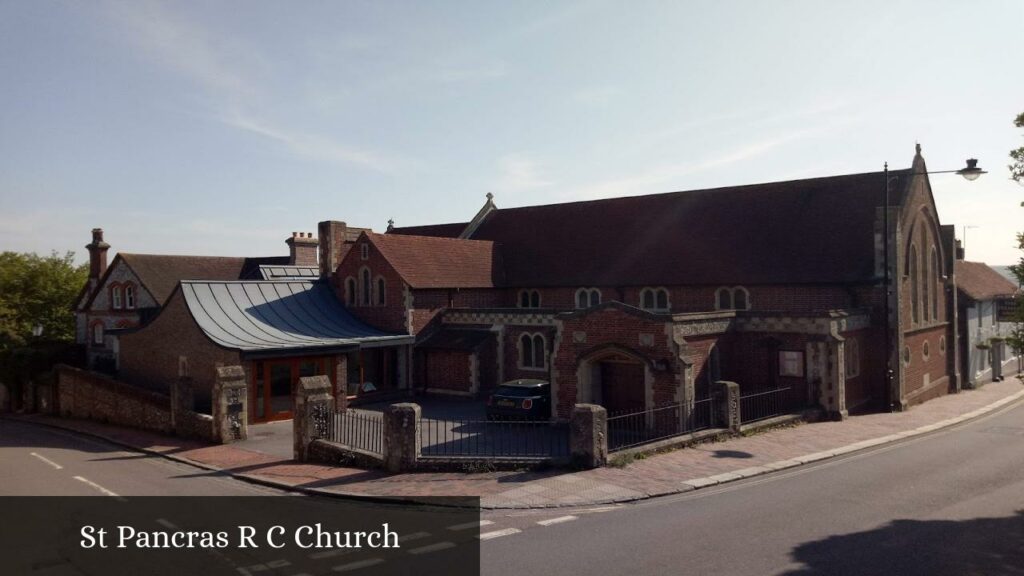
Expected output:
(220, 127)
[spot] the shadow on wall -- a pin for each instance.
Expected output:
(989, 546)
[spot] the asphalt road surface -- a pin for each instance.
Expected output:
(951, 502)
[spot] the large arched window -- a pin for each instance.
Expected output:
(532, 352)
(367, 288)
(915, 291)
(935, 284)
(587, 297)
(926, 288)
(381, 293)
(350, 291)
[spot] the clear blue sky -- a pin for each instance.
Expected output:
(221, 127)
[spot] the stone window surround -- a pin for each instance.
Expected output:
(521, 357)
(732, 292)
(97, 332)
(655, 291)
(590, 294)
(925, 351)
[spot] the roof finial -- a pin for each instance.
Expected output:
(917, 147)
(391, 224)
(490, 196)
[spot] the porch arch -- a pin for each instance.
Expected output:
(598, 365)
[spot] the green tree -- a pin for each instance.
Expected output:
(1017, 168)
(37, 290)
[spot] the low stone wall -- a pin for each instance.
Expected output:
(335, 454)
(92, 396)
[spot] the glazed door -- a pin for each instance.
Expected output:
(279, 390)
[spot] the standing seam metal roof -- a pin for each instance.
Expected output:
(267, 315)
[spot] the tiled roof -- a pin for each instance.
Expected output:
(980, 282)
(432, 262)
(443, 230)
(267, 316)
(160, 274)
(818, 230)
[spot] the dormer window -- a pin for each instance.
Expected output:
(587, 298)
(364, 251)
(529, 299)
(654, 300)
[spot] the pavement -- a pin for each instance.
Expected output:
(673, 472)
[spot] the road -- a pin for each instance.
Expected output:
(40, 461)
(945, 503)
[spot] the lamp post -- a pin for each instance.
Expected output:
(970, 172)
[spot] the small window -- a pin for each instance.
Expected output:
(978, 308)
(364, 251)
(925, 351)
(116, 297)
(97, 334)
(791, 363)
(350, 291)
(906, 355)
(529, 299)
(532, 352)
(852, 359)
(129, 297)
(654, 300)
(587, 297)
(526, 351)
(723, 299)
(942, 345)
(381, 298)
(741, 298)
(366, 288)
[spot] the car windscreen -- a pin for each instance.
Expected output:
(517, 392)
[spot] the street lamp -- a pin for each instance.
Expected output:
(970, 172)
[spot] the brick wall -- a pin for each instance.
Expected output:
(926, 378)
(447, 370)
(389, 316)
(150, 356)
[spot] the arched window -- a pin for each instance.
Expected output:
(381, 298)
(366, 288)
(587, 297)
(723, 299)
(129, 296)
(350, 291)
(915, 292)
(654, 299)
(741, 298)
(935, 283)
(97, 333)
(364, 251)
(116, 297)
(529, 299)
(926, 288)
(532, 352)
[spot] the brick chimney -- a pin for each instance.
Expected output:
(302, 247)
(331, 242)
(97, 255)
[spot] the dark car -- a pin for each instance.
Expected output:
(524, 399)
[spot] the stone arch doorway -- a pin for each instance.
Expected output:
(617, 378)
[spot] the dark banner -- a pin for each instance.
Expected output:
(247, 536)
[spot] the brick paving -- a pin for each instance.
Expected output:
(667, 473)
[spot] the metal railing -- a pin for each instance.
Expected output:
(628, 429)
(760, 404)
(493, 439)
(359, 429)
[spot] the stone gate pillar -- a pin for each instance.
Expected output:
(401, 436)
(230, 398)
(313, 415)
(588, 436)
(341, 383)
(727, 405)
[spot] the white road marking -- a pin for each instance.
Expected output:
(432, 548)
(102, 490)
(358, 565)
(48, 461)
(558, 520)
(413, 536)
(468, 525)
(166, 523)
(499, 533)
(599, 509)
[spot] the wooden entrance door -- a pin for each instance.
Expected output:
(622, 386)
